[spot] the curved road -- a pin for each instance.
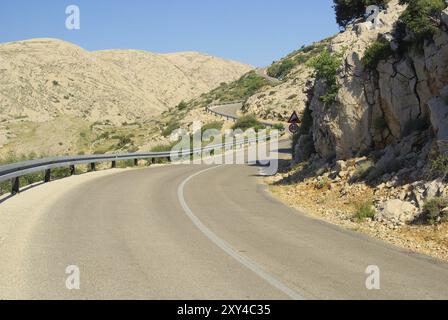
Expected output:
(263, 72)
(228, 110)
(191, 232)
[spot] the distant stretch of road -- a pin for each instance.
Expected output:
(264, 73)
(191, 232)
(229, 110)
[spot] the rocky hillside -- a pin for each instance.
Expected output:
(276, 102)
(372, 153)
(377, 106)
(43, 78)
(101, 101)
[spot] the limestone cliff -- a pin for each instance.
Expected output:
(376, 108)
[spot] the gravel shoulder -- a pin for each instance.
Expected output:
(328, 205)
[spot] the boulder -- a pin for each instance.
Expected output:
(341, 166)
(396, 211)
(434, 188)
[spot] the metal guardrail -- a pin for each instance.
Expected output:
(16, 170)
(210, 109)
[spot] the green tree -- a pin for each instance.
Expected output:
(325, 67)
(421, 16)
(349, 10)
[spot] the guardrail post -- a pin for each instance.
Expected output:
(47, 177)
(114, 164)
(93, 166)
(135, 162)
(153, 160)
(72, 170)
(15, 186)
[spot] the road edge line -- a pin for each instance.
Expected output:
(248, 263)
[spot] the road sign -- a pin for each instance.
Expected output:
(294, 118)
(293, 128)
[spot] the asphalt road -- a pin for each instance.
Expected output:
(263, 72)
(228, 110)
(195, 232)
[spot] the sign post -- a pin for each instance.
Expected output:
(293, 121)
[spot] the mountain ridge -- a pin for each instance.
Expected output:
(41, 76)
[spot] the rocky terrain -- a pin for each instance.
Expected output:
(372, 155)
(51, 84)
(277, 101)
(338, 202)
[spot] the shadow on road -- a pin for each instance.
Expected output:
(24, 189)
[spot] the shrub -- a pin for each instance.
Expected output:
(124, 141)
(439, 166)
(322, 183)
(363, 169)
(278, 126)
(259, 127)
(325, 67)
(420, 18)
(58, 173)
(163, 148)
(281, 69)
(5, 186)
(246, 122)
(170, 127)
(379, 50)
(217, 125)
(365, 210)
(182, 106)
(241, 89)
(433, 211)
(125, 163)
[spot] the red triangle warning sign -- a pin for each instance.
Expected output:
(294, 118)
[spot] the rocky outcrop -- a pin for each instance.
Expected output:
(376, 108)
(292, 93)
(397, 211)
(438, 107)
(277, 102)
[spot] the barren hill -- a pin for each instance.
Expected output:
(42, 79)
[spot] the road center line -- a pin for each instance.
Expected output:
(226, 247)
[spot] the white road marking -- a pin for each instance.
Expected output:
(227, 248)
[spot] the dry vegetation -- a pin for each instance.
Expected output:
(56, 98)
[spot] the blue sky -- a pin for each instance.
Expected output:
(252, 31)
